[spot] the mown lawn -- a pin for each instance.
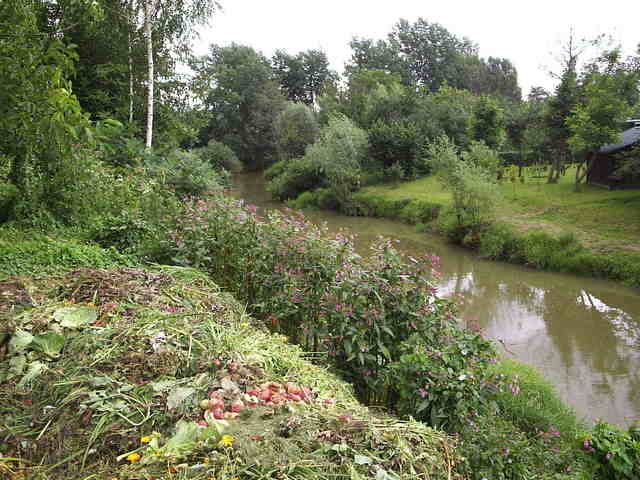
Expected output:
(602, 219)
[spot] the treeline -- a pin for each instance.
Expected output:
(386, 85)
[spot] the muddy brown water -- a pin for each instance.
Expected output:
(583, 334)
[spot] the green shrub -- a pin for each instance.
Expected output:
(371, 205)
(442, 385)
(117, 146)
(322, 198)
(296, 176)
(616, 452)
(317, 290)
(276, 169)
(334, 162)
(471, 177)
(296, 128)
(8, 196)
(126, 232)
(219, 156)
(396, 142)
(499, 242)
(29, 252)
(186, 173)
(420, 211)
(395, 173)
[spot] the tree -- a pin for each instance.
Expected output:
(489, 125)
(559, 108)
(239, 93)
(449, 112)
(296, 128)
(430, 52)
(428, 55)
(379, 55)
(41, 121)
(470, 177)
(168, 27)
(374, 95)
(595, 121)
(302, 76)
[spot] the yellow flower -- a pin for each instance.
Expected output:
(133, 457)
(157, 454)
(145, 439)
(211, 478)
(244, 324)
(206, 461)
(225, 441)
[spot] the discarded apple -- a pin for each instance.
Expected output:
(237, 406)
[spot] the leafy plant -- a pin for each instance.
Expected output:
(617, 452)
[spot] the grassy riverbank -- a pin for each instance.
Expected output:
(594, 232)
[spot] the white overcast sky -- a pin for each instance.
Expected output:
(528, 33)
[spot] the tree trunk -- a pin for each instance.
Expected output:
(148, 12)
(130, 65)
(583, 169)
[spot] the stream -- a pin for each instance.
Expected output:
(583, 334)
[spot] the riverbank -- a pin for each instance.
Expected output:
(550, 227)
(120, 321)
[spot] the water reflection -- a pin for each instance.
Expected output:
(583, 334)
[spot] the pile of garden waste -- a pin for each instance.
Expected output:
(132, 373)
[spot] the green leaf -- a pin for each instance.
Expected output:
(49, 343)
(16, 366)
(184, 440)
(75, 317)
(178, 396)
(20, 341)
(339, 447)
(362, 460)
(382, 474)
(34, 371)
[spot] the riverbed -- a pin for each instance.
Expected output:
(583, 334)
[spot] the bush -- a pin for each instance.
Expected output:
(320, 292)
(322, 198)
(186, 173)
(420, 211)
(29, 252)
(399, 143)
(117, 146)
(276, 169)
(333, 162)
(470, 177)
(219, 156)
(442, 386)
(295, 177)
(499, 242)
(616, 452)
(371, 205)
(8, 196)
(296, 128)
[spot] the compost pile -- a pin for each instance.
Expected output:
(139, 374)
